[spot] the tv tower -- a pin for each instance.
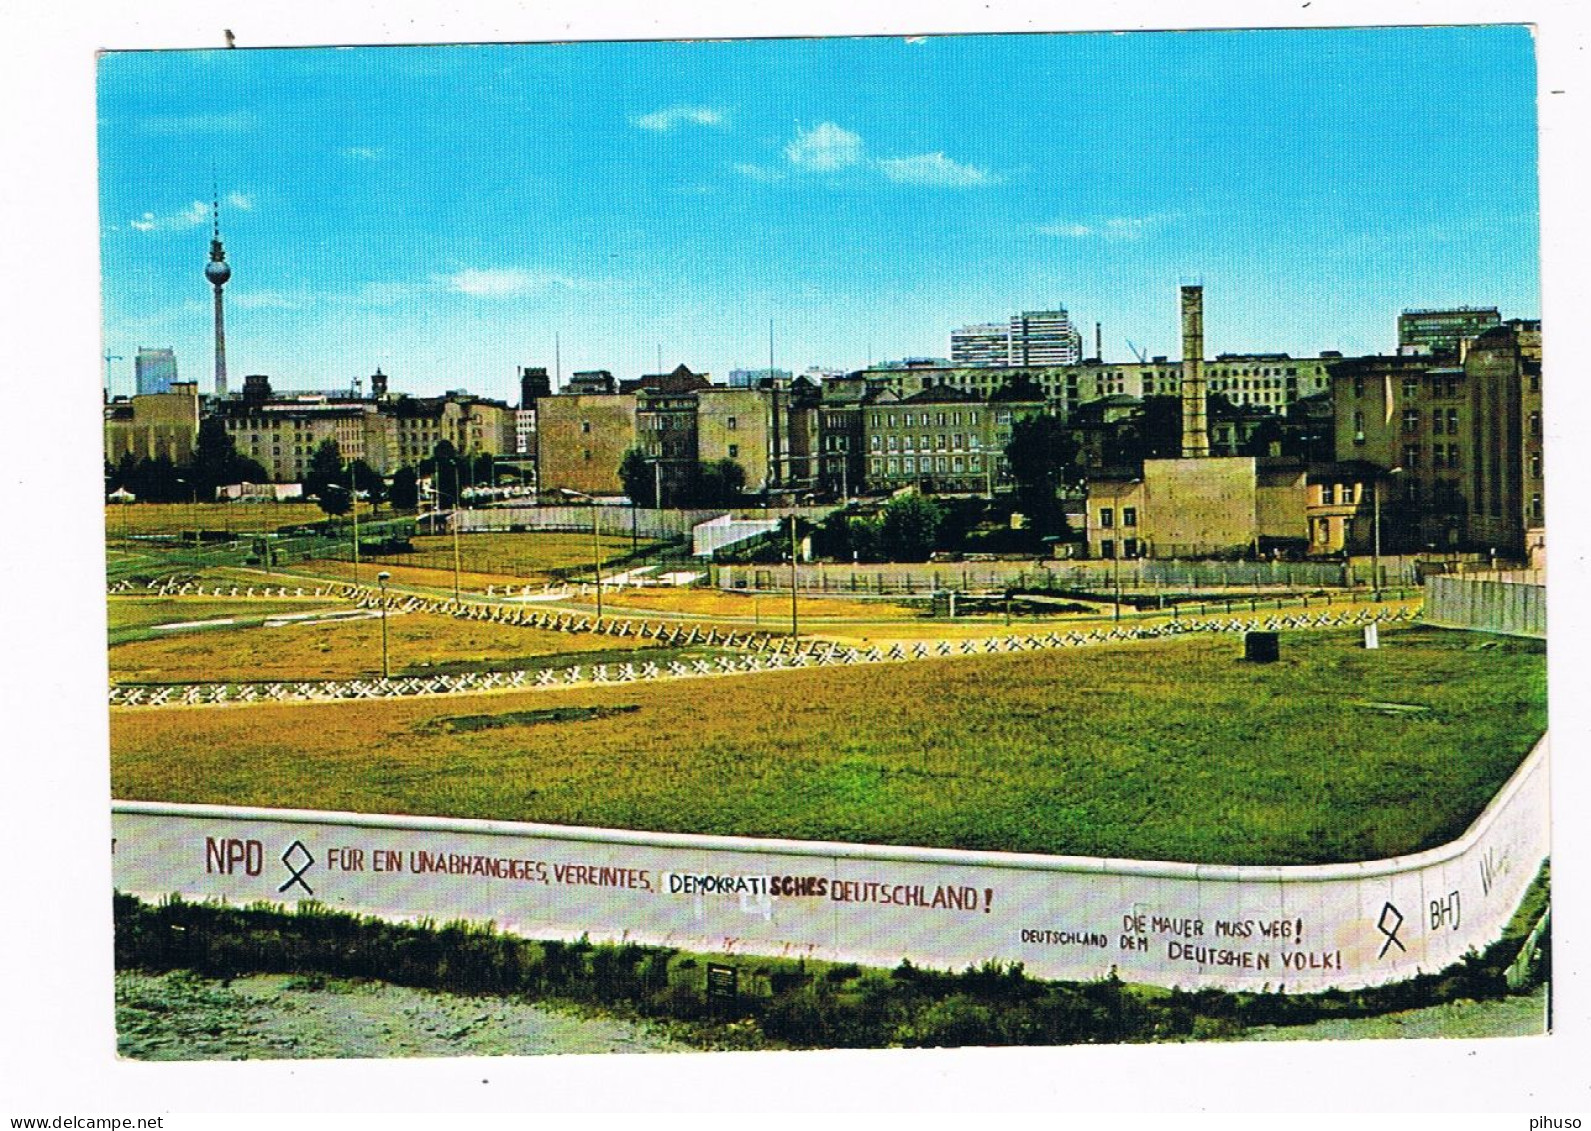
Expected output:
(218, 272)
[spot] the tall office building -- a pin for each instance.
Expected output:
(988, 343)
(1045, 337)
(1034, 337)
(156, 370)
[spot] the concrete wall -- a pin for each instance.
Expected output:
(1298, 929)
(649, 523)
(1281, 505)
(1489, 606)
(1205, 505)
(710, 537)
(1133, 573)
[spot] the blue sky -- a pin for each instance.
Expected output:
(443, 212)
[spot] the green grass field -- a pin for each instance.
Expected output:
(129, 520)
(1159, 750)
(494, 558)
(130, 619)
(526, 556)
(334, 649)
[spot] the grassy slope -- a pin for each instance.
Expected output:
(1165, 750)
(527, 555)
(417, 643)
(135, 519)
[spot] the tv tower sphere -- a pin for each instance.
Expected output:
(218, 271)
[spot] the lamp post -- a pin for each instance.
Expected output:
(596, 555)
(1120, 546)
(381, 580)
(1115, 567)
(353, 496)
(1375, 510)
(596, 542)
(193, 513)
(453, 521)
(795, 624)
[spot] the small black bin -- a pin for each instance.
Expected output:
(1262, 647)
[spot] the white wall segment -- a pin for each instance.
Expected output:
(1297, 929)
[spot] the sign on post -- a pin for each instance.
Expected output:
(723, 985)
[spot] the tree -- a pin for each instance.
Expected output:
(1043, 456)
(1018, 387)
(213, 454)
(126, 473)
(720, 483)
(405, 491)
(1267, 434)
(335, 499)
(639, 478)
(866, 538)
(446, 474)
(324, 480)
(217, 461)
(1161, 434)
(156, 481)
(367, 481)
(1153, 432)
(909, 527)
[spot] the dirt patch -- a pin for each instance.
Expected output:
(183, 1016)
(454, 724)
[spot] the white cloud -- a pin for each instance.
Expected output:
(1129, 228)
(239, 200)
(505, 282)
(824, 148)
(671, 116)
(935, 169)
(1066, 230)
(362, 153)
(759, 173)
(1117, 228)
(194, 215)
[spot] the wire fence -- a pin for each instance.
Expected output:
(1134, 575)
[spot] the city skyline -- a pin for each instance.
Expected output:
(444, 212)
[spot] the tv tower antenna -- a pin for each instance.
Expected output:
(218, 271)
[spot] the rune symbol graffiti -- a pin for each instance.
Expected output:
(1391, 931)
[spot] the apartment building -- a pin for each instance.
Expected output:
(1457, 439)
(940, 440)
(151, 425)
